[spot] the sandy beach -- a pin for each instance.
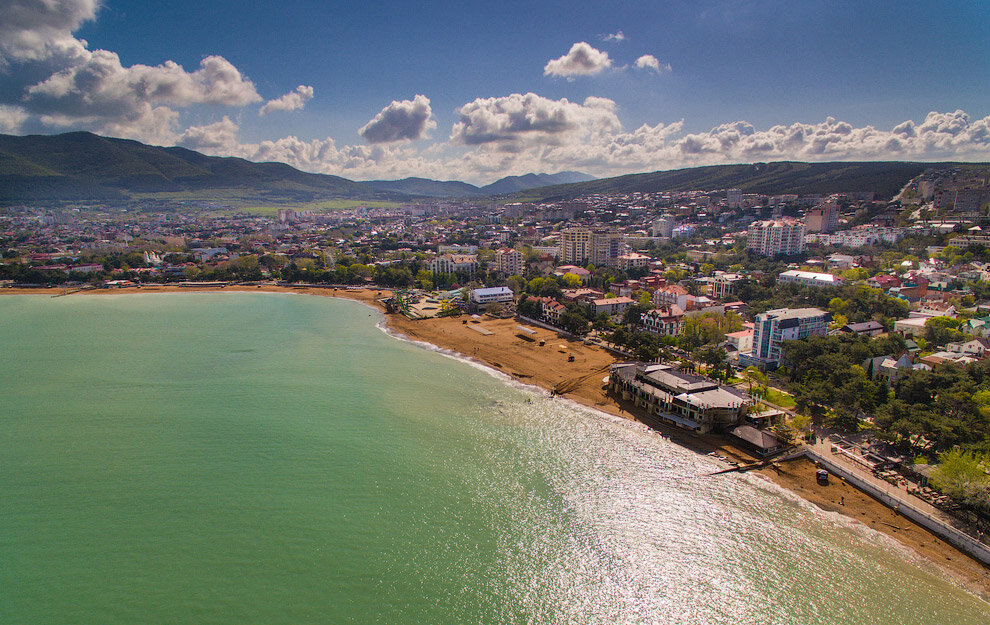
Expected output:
(520, 355)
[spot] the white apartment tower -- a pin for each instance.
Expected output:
(733, 198)
(776, 236)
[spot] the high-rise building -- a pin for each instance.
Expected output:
(776, 236)
(600, 246)
(509, 262)
(733, 198)
(774, 327)
(575, 245)
(663, 227)
(823, 218)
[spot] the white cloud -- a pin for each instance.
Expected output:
(11, 118)
(517, 120)
(650, 62)
(580, 60)
(617, 36)
(402, 120)
(216, 138)
(53, 75)
(292, 101)
(39, 29)
(517, 134)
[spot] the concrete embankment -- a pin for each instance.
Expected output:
(965, 543)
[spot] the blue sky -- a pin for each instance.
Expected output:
(477, 90)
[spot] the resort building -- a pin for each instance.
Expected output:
(775, 237)
(493, 295)
(679, 398)
(774, 327)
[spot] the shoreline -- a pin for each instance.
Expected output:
(520, 357)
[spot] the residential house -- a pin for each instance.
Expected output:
(668, 320)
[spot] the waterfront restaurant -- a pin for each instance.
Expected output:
(679, 398)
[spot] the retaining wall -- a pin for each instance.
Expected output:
(965, 543)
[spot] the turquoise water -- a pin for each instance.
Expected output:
(261, 458)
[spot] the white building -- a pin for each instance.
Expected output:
(491, 295)
(453, 263)
(722, 284)
(776, 236)
(809, 278)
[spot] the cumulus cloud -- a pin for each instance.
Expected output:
(39, 29)
(516, 120)
(651, 63)
(580, 60)
(402, 120)
(523, 133)
(51, 74)
(616, 36)
(11, 118)
(292, 101)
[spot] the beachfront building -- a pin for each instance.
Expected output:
(679, 398)
(509, 262)
(453, 263)
(776, 236)
(492, 295)
(809, 278)
(774, 327)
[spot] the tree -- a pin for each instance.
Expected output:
(574, 322)
(571, 281)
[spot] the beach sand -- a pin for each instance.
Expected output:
(548, 367)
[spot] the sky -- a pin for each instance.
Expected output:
(476, 91)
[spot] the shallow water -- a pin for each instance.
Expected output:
(264, 458)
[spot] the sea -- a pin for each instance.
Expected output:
(260, 458)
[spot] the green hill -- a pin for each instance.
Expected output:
(883, 178)
(81, 165)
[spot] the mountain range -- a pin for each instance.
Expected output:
(84, 166)
(81, 165)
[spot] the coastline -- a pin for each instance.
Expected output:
(548, 367)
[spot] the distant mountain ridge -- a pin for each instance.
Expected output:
(454, 188)
(884, 178)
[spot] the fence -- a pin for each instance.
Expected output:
(965, 543)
